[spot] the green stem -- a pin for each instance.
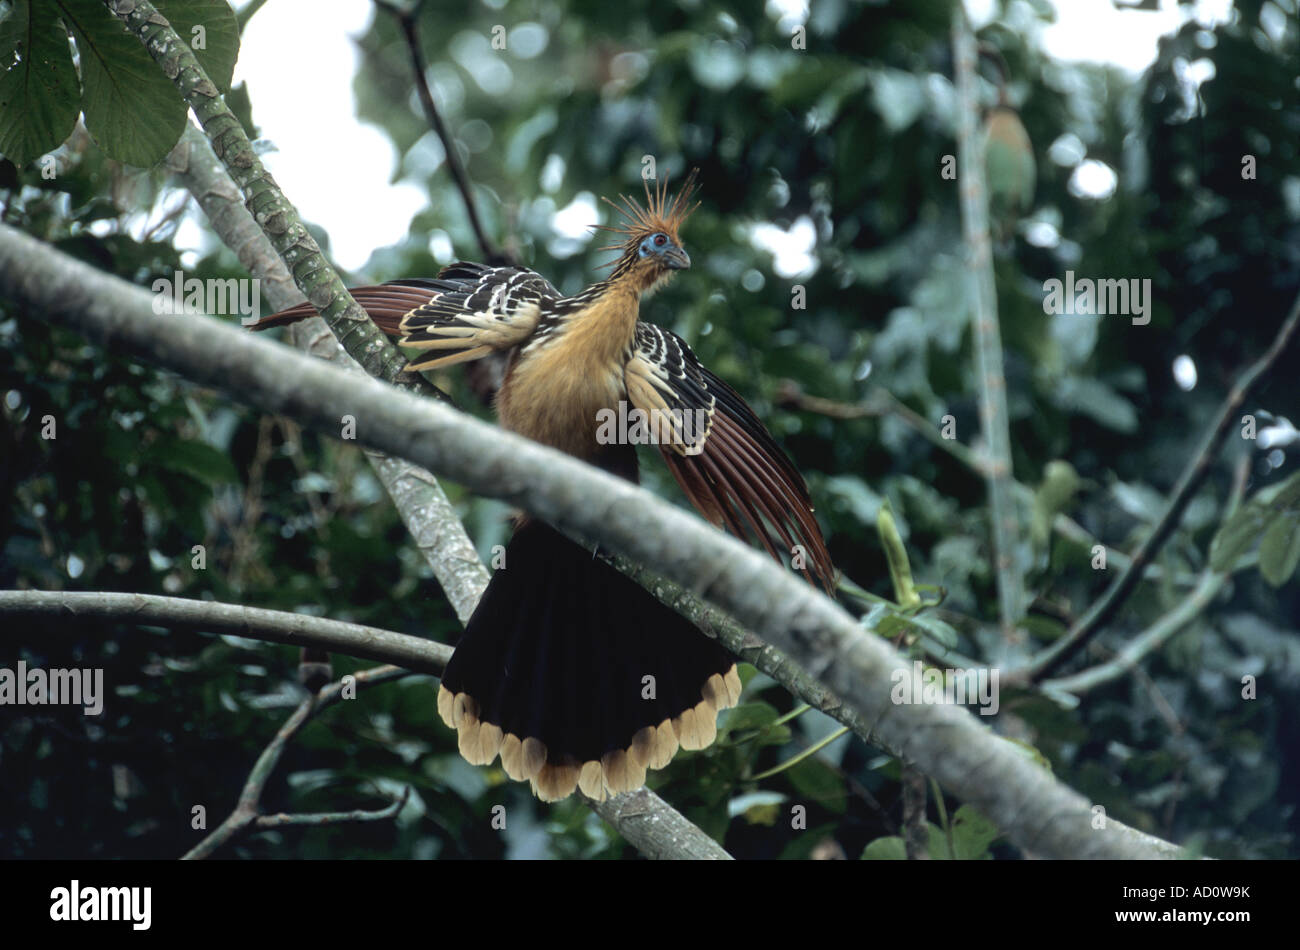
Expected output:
(811, 750)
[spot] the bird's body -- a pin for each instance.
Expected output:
(555, 387)
(571, 673)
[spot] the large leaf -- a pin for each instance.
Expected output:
(816, 782)
(38, 92)
(132, 109)
(885, 849)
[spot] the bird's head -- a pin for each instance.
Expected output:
(651, 248)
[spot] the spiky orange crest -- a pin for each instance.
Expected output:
(657, 215)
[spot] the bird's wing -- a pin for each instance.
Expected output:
(473, 310)
(464, 313)
(726, 462)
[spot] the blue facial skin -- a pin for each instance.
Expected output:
(662, 246)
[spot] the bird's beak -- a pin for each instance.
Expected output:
(676, 259)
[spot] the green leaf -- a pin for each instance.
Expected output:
(1284, 496)
(1235, 536)
(1094, 399)
(816, 782)
(1279, 551)
(972, 834)
(940, 631)
(758, 717)
(133, 111)
(219, 33)
(196, 459)
(39, 99)
(885, 849)
(937, 843)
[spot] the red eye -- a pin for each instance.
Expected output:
(660, 240)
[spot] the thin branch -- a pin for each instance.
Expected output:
(880, 402)
(1189, 607)
(246, 814)
(988, 341)
(406, 19)
(317, 819)
(1198, 467)
(915, 827)
(1036, 811)
(54, 610)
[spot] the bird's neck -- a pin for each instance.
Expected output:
(602, 329)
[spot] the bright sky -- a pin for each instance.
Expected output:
(359, 207)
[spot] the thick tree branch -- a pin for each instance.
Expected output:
(1036, 811)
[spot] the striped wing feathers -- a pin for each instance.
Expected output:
(734, 473)
(665, 380)
(471, 310)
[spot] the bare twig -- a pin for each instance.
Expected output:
(1152, 638)
(316, 819)
(406, 19)
(246, 814)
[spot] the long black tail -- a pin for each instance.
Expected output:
(577, 676)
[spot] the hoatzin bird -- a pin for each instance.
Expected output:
(571, 672)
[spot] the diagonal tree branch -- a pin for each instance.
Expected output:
(1036, 811)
